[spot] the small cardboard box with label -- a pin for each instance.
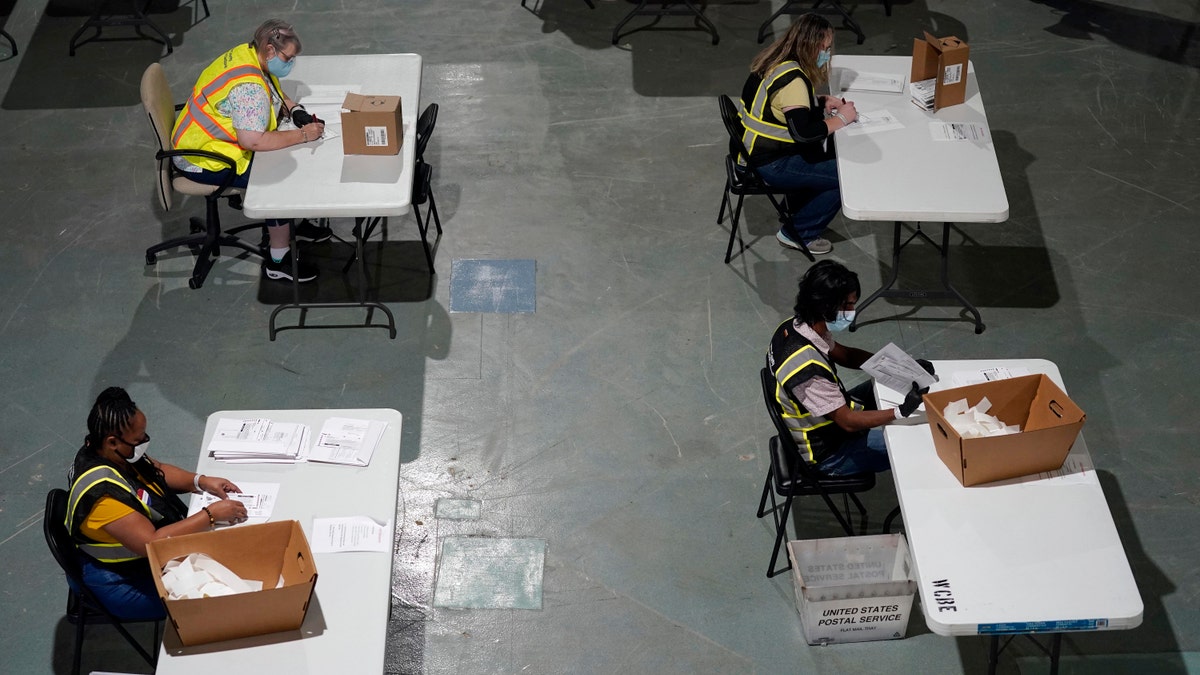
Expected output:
(276, 554)
(371, 125)
(1049, 420)
(945, 61)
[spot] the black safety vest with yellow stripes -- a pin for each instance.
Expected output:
(794, 359)
(96, 479)
(766, 136)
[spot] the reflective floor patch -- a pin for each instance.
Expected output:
(485, 573)
(457, 509)
(497, 286)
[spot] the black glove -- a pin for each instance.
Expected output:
(912, 401)
(301, 117)
(927, 366)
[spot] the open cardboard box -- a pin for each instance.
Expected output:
(946, 60)
(1049, 420)
(264, 552)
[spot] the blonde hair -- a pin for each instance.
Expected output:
(800, 43)
(277, 33)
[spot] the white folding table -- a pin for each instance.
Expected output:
(1029, 555)
(904, 175)
(346, 624)
(317, 180)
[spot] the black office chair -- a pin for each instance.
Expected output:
(743, 180)
(790, 476)
(206, 238)
(82, 606)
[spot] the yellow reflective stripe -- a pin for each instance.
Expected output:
(753, 118)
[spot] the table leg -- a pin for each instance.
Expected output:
(665, 9)
(1055, 650)
(946, 291)
(98, 21)
(993, 654)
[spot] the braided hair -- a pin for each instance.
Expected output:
(111, 415)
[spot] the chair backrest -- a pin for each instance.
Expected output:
(425, 124)
(160, 108)
(796, 463)
(58, 538)
(733, 126)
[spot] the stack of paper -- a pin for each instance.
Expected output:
(347, 441)
(259, 441)
(923, 93)
(973, 422)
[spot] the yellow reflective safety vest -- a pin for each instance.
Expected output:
(102, 480)
(793, 359)
(201, 127)
(766, 137)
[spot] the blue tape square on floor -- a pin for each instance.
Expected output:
(490, 573)
(493, 286)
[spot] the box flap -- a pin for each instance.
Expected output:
(370, 103)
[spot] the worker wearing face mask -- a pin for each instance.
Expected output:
(837, 431)
(234, 111)
(121, 500)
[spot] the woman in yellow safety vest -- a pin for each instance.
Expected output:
(234, 111)
(787, 124)
(121, 500)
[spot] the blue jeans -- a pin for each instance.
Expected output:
(813, 193)
(126, 589)
(862, 453)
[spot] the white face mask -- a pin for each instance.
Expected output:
(841, 322)
(139, 451)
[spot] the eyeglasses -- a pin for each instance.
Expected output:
(145, 439)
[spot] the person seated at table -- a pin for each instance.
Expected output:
(787, 125)
(121, 500)
(234, 111)
(837, 431)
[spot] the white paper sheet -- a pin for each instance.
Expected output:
(883, 82)
(344, 440)
(259, 499)
(873, 122)
(963, 378)
(355, 533)
(959, 131)
(896, 370)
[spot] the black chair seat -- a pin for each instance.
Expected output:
(799, 486)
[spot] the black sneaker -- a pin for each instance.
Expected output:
(306, 231)
(282, 270)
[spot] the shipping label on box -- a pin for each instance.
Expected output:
(277, 554)
(372, 125)
(1049, 420)
(943, 60)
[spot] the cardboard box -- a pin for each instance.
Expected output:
(1049, 420)
(371, 125)
(852, 589)
(263, 552)
(946, 60)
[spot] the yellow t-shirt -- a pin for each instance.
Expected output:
(106, 510)
(794, 94)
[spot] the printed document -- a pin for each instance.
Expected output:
(344, 440)
(258, 498)
(959, 131)
(258, 440)
(963, 378)
(896, 370)
(871, 122)
(355, 533)
(884, 82)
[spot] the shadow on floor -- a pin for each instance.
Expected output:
(1150, 33)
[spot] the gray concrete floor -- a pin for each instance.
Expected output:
(621, 422)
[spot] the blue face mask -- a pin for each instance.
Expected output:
(841, 322)
(278, 67)
(823, 57)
